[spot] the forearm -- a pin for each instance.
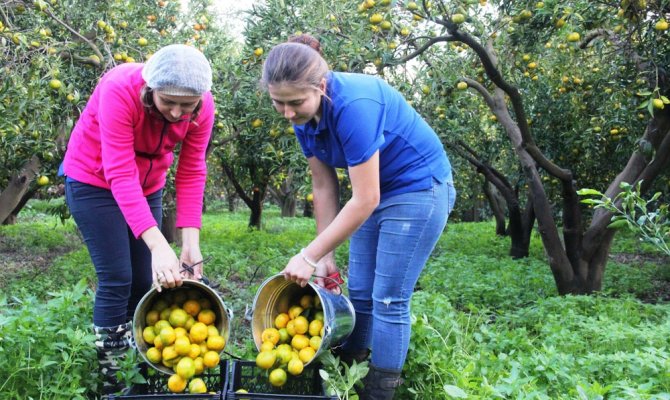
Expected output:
(154, 239)
(347, 221)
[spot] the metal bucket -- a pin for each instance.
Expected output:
(222, 322)
(275, 296)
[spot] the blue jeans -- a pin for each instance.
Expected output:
(386, 255)
(122, 263)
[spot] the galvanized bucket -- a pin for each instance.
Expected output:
(276, 294)
(222, 322)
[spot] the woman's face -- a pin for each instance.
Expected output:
(174, 107)
(298, 105)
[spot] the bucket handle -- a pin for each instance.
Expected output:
(334, 281)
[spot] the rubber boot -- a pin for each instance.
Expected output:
(112, 345)
(380, 384)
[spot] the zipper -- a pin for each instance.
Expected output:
(155, 152)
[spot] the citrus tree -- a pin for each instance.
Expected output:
(53, 54)
(535, 95)
(516, 86)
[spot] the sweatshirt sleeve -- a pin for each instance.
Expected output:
(116, 112)
(191, 172)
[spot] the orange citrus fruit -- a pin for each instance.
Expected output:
(167, 336)
(182, 346)
(281, 320)
(180, 332)
(283, 335)
(158, 327)
(283, 353)
(299, 342)
(300, 325)
(154, 355)
(192, 307)
(270, 335)
(307, 354)
(216, 343)
(306, 301)
(185, 368)
(178, 317)
(278, 377)
(152, 317)
(176, 384)
(295, 367)
(290, 328)
(210, 359)
(194, 351)
(198, 332)
(265, 359)
(197, 385)
(212, 331)
(148, 334)
(295, 311)
(199, 365)
(206, 316)
(267, 346)
(169, 353)
(315, 327)
(315, 342)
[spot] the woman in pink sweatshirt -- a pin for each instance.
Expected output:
(116, 165)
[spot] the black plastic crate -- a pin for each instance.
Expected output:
(246, 375)
(156, 386)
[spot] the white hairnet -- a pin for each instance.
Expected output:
(178, 70)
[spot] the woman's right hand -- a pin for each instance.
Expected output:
(165, 267)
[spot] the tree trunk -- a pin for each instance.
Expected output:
(12, 195)
(497, 204)
(308, 211)
(169, 226)
(288, 206)
(255, 218)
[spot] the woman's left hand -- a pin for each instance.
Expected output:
(298, 270)
(192, 259)
(191, 256)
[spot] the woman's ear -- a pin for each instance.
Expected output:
(322, 85)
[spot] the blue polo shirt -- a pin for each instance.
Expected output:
(362, 114)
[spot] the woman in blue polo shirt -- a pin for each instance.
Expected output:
(402, 194)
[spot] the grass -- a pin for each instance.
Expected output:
(485, 326)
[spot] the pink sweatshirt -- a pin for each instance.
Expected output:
(119, 146)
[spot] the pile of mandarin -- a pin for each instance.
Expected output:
(293, 341)
(182, 336)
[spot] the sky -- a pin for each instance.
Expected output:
(229, 9)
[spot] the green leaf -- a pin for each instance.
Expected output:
(618, 224)
(588, 192)
(455, 392)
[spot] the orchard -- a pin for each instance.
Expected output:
(537, 103)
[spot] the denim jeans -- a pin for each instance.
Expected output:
(122, 263)
(386, 255)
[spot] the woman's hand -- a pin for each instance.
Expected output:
(191, 254)
(192, 259)
(325, 267)
(165, 267)
(298, 270)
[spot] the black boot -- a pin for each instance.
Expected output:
(380, 384)
(112, 345)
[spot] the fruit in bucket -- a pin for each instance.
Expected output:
(293, 341)
(181, 335)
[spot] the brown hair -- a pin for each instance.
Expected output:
(147, 99)
(297, 62)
